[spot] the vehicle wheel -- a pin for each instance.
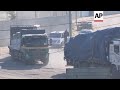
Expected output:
(27, 61)
(13, 57)
(45, 62)
(30, 62)
(20, 56)
(114, 72)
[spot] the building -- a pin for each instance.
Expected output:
(42, 14)
(3, 15)
(91, 13)
(38, 14)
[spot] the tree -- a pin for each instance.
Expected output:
(11, 14)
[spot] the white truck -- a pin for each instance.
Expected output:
(57, 38)
(114, 53)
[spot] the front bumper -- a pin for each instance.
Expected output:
(36, 54)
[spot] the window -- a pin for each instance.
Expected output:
(116, 49)
(55, 35)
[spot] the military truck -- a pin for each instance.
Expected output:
(95, 55)
(28, 44)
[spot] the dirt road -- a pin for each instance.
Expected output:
(10, 69)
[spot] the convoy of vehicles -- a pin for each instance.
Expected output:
(30, 44)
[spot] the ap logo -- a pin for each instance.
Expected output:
(98, 16)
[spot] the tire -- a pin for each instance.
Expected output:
(114, 72)
(30, 62)
(13, 57)
(20, 56)
(27, 61)
(46, 61)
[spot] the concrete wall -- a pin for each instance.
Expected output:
(42, 14)
(3, 15)
(25, 14)
(91, 13)
(48, 23)
(38, 14)
(80, 14)
(111, 12)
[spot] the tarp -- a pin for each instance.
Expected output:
(93, 45)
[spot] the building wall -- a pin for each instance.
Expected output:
(38, 14)
(3, 15)
(42, 14)
(111, 12)
(91, 13)
(25, 14)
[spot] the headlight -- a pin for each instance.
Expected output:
(45, 43)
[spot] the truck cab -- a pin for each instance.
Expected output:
(56, 38)
(114, 53)
(34, 40)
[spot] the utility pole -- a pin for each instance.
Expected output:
(81, 14)
(35, 14)
(76, 17)
(16, 15)
(70, 24)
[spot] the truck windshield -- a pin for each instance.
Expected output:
(55, 35)
(35, 41)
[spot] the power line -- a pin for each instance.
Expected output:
(70, 22)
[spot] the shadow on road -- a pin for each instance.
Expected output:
(7, 63)
(59, 76)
